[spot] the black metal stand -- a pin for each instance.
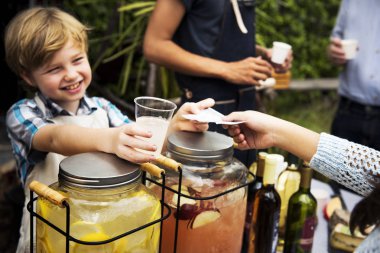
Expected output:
(164, 187)
(179, 194)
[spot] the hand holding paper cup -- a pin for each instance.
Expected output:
(280, 51)
(350, 48)
(154, 114)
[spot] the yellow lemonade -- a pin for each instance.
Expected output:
(101, 219)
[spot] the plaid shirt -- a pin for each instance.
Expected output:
(24, 119)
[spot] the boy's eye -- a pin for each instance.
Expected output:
(52, 70)
(78, 59)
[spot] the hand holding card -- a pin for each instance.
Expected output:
(210, 116)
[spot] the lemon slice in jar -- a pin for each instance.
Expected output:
(43, 208)
(44, 246)
(49, 211)
(90, 232)
(80, 229)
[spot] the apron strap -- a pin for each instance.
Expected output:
(40, 104)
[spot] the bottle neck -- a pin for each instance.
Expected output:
(260, 165)
(258, 178)
(269, 187)
(270, 170)
(269, 180)
(292, 168)
(306, 176)
(304, 190)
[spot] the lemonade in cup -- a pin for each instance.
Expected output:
(154, 114)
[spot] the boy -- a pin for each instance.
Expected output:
(47, 48)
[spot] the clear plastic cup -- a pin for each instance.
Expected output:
(154, 114)
(280, 51)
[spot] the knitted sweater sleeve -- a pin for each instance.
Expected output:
(352, 165)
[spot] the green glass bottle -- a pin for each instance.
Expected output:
(287, 184)
(266, 212)
(301, 220)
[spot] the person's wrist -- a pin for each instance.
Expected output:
(104, 141)
(280, 131)
(222, 70)
(263, 53)
(173, 125)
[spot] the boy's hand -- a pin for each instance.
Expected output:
(124, 141)
(179, 123)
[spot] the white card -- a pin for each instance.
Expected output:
(267, 83)
(210, 116)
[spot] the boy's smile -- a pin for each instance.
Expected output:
(72, 87)
(65, 78)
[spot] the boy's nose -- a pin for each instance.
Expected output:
(70, 75)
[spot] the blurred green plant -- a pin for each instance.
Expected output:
(116, 48)
(306, 25)
(119, 26)
(313, 109)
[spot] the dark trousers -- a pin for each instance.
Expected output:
(244, 100)
(357, 123)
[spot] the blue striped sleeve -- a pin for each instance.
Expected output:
(23, 121)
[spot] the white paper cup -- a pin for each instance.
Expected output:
(350, 48)
(280, 52)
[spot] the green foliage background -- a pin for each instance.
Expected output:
(119, 25)
(120, 68)
(306, 25)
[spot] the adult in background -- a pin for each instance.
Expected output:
(358, 114)
(211, 46)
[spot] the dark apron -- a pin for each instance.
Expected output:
(230, 45)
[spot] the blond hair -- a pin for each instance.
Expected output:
(34, 35)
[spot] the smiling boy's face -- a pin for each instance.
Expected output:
(65, 78)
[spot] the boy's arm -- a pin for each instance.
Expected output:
(70, 139)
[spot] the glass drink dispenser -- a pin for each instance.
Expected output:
(209, 215)
(106, 199)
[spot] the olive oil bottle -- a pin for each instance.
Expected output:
(287, 184)
(266, 212)
(301, 220)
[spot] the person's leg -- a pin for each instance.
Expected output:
(372, 131)
(348, 124)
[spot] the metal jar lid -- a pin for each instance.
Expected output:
(204, 146)
(97, 170)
